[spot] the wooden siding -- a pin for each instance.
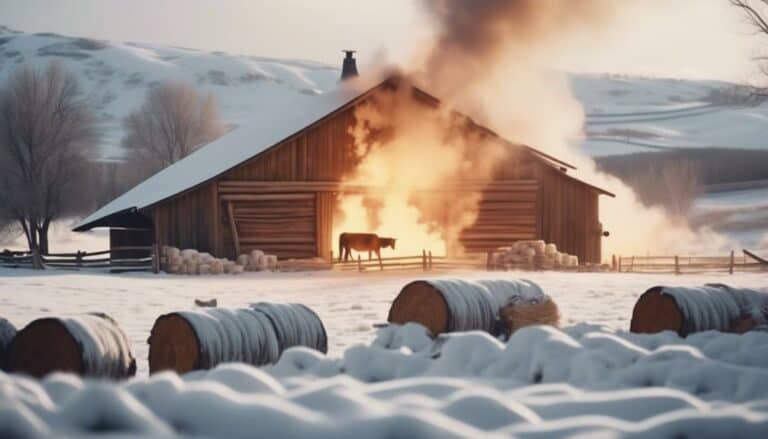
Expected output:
(189, 220)
(503, 218)
(568, 216)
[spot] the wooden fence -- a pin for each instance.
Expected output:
(688, 264)
(108, 260)
(424, 262)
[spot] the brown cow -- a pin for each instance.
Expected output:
(363, 242)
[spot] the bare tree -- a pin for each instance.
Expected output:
(173, 122)
(46, 134)
(756, 14)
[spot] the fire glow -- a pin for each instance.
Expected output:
(408, 152)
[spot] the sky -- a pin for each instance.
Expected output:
(705, 39)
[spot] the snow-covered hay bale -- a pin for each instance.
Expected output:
(90, 345)
(451, 305)
(7, 331)
(201, 339)
(295, 325)
(688, 310)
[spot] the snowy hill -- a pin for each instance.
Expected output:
(624, 114)
(630, 115)
(116, 76)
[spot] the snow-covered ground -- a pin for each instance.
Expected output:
(590, 377)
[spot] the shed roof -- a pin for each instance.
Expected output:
(246, 142)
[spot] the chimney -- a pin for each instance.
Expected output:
(349, 69)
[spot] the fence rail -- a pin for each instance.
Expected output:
(689, 264)
(423, 262)
(104, 259)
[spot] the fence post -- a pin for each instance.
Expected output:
(733, 261)
(359, 263)
(423, 260)
(613, 263)
(430, 260)
(619, 263)
(677, 264)
(156, 259)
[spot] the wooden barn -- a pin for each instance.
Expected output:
(274, 185)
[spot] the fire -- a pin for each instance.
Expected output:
(408, 152)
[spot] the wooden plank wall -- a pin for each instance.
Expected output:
(568, 215)
(189, 221)
(504, 216)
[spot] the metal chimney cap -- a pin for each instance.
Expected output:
(349, 67)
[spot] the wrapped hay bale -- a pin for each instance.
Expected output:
(450, 305)
(204, 269)
(242, 260)
(90, 345)
(539, 247)
(689, 310)
(189, 254)
(7, 332)
(201, 339)
(550, 249)
(217, 266)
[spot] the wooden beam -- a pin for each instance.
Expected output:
(233, 228)
(242, 187)
(267, 197)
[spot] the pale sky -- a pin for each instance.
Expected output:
(676, 38)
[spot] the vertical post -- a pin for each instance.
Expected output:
(423, 260)
(613, 263)
(733, 262)
(330, 257)
(359, 263)
(677, 264)
(619, 263)
(488, 261)
(430, 260)
(156, 259)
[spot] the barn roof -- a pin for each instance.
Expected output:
(244, 143)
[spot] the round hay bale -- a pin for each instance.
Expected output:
(90, 345)
(690, 310)
(450, 305)
(656, 312)
(201, 339)
(7, 332)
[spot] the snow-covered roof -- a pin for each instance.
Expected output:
(237, 146)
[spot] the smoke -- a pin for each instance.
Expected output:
(496, 61)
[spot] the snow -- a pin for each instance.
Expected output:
(544, 382)
(591, 377)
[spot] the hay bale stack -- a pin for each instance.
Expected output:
(201, 339)
(90, 345)
(190, 261)
(451, 305)
(534, 255)
(7, 331)
(689, 310)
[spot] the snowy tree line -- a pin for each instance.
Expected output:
(48, 137)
